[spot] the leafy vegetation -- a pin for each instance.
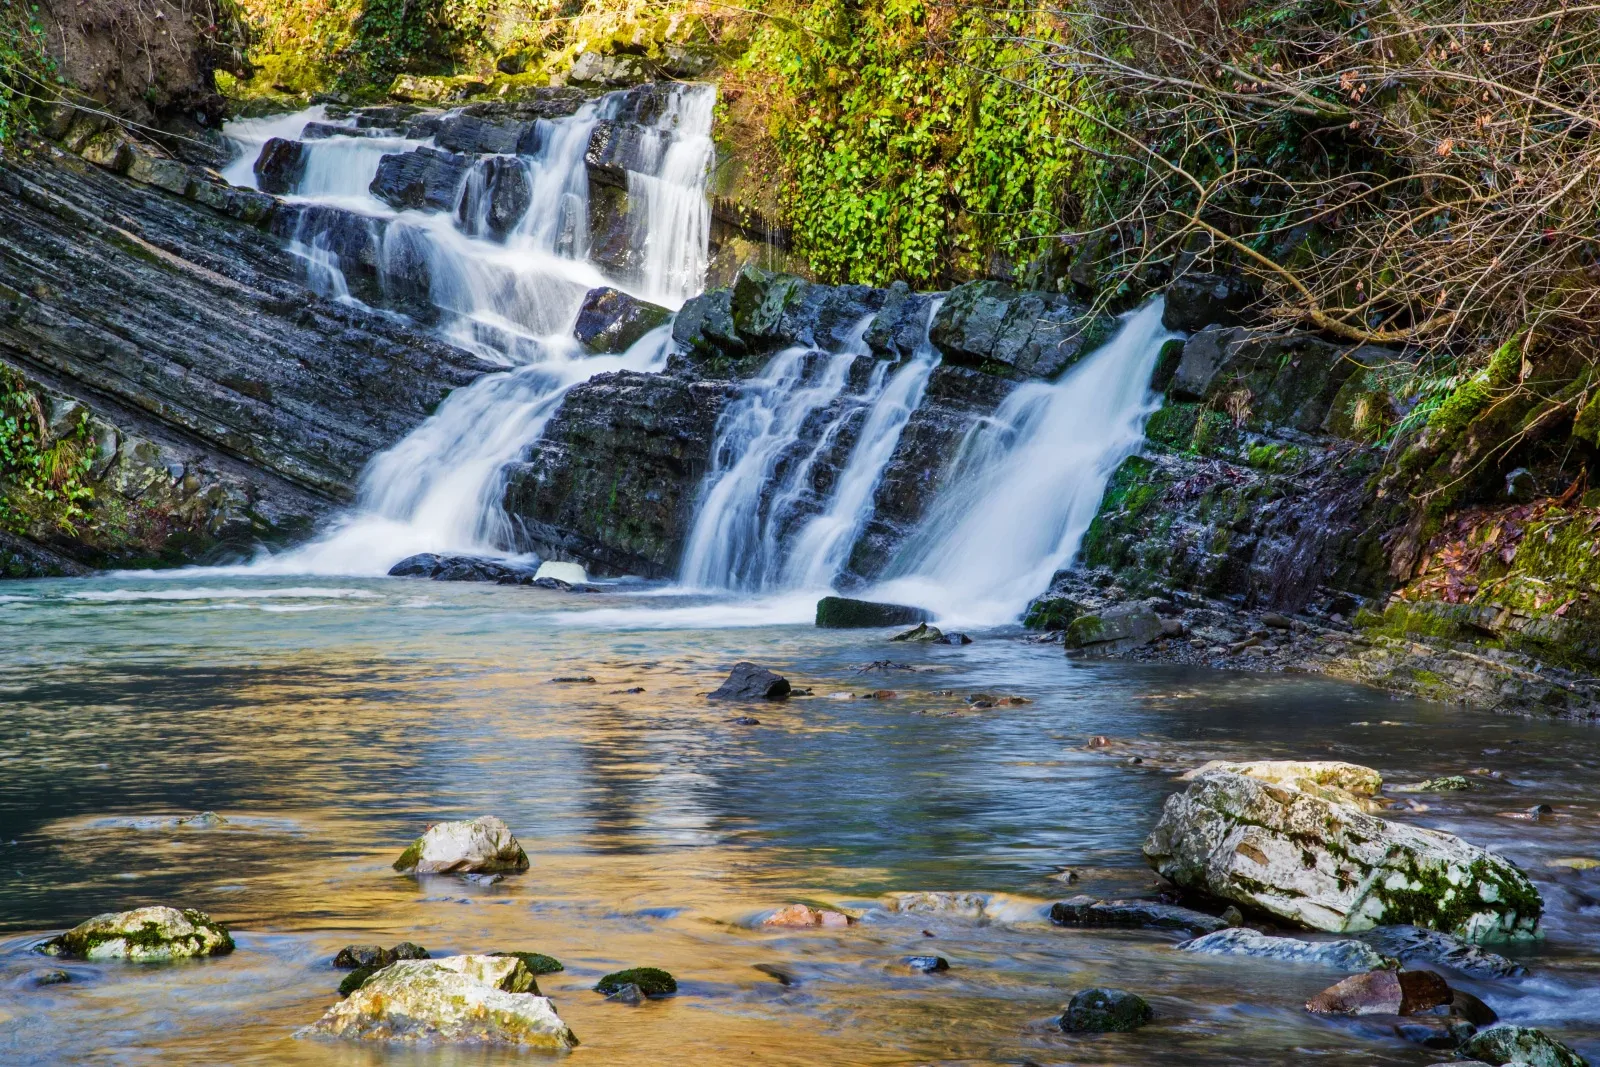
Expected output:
(25, 65)
(43, 474)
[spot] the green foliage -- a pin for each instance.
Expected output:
(42, 476)
(25, 66)
(918, 140)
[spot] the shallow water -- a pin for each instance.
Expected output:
(330, 719)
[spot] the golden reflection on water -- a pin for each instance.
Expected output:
(658, 830)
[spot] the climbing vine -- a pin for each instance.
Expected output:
(25, 65)
(42, 474)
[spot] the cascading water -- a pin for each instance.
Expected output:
(507, 289)
(1028, 482)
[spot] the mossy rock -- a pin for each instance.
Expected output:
(1051, 613)
(143, 934)
(843, 613)
(536, 962)
(652, 982)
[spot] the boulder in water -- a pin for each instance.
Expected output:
(1332, 867)
(457, 569)
(1413, 944)
(474, 135)
(803, 915)
(651, 981)
(508, 192)
(141, 935)
(1105, 1011)
(843, 613)
(1382, 992)
(536, 962)
(1113, 631)
(1522, 1045)
(481, 999)
(1332, 780)
(421, 565)
(749, 682)
(424, 178)
(922, 633)
(472, 846)
(927, 964)
(611, 320)
(1346, 955)
(354, 957)
(280, 165)
(1085, 910)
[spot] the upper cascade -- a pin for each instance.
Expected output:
(490, 223)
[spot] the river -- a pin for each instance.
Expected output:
(329, 720)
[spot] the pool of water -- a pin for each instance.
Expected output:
(330, 720)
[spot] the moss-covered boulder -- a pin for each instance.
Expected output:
(652, 982)
(477, 846)
(1115, 630)
(479, 999)
(1330, 866)
(843, 613)
(1520, 1044)
(143, 934)
(1103, 1011)
(536, 962)
(1333, 780)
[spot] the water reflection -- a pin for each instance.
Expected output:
(330, 723)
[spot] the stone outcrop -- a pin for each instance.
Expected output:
(749, 682)
(476, 846)
(425, 178)
(143, 935)
(1015, 333)
(612, 482)
(1332, 867)
(231, 399)
(480, 999)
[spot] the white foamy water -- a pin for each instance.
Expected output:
(512, 301)
(1029, 481)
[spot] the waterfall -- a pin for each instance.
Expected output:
(1028, 481)
(755, 524)
(512, 300)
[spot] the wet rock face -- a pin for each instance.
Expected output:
(207, 359)
(280, 166)
(611, 320)
(425, 178)
(503, 196)
(843, 613)
(142, 935)
(614, 479)
(479, 999)
(1196, 301)
(1332, 867)
(476, 846)
(1015, 333)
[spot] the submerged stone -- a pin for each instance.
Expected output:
(481, 999)
(927, 964)
(481, 844)
(650, 981)
(749, 682)
(1087, 911)
(1346, 955)
(1101, 1011)
(536, 962)
(141, 935)
(805, 915)
(843, 613)
(353, 957)
(1414, 944)
(1520, 1044)
(1332, 867)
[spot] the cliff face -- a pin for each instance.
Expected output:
(225, 403)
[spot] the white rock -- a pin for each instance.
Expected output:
(1334, 780)
(571, 573)
(481, 845)
(143, 934)
(1329, 866)
(484, 999)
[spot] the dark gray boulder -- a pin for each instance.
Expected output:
(421, 565)
(615, 148)
(458, 569)
(705, 327)
(1114, 630)
(352, 957)
(280, 165)
(1015, 333)
(1196, 301)
(1102, 1011)
(1148, 914)
(475, 136)
(843, 613)
(321, 131)
(1520, 1044)
(499, 196)
(900, 324)
(611, 320)
(749, 682)
(422, 178)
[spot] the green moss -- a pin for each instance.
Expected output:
(410, 857)
(1085, 630)
(652, 981)
(356, 979)
(536, 962)
(1429, 899)
(1051, 613)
